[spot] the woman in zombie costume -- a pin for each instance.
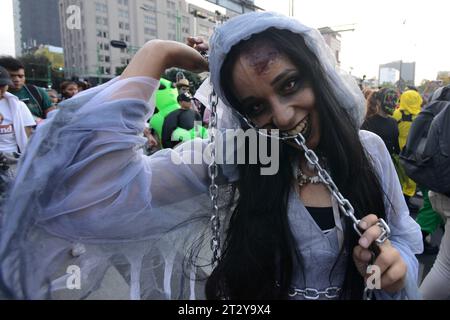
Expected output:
(147, 222)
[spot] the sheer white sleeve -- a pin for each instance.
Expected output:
(86, 196)
(405, 232)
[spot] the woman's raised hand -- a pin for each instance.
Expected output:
(198, 43)
(158, 55)
(391, 265)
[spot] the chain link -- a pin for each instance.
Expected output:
(314, 294)
(344, 205)
(213, 171)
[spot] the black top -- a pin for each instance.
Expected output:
(323, 217)
(386, 128)
(180, 118)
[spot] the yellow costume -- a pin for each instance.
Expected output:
(410, 107)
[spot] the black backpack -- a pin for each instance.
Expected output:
(36, 94)
(426, 156)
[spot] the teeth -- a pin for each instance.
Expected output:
(302, 127)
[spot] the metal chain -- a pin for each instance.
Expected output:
(344, 205)
(314, 294)
(213, 171)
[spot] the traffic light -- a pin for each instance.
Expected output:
(118, 44)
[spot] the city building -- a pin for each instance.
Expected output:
(399, 73)
(89, 26)
(332, 38)
(236, 7)
(35, 23)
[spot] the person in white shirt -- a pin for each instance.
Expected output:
(16, 121)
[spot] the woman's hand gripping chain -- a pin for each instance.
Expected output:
(199, 44)
(369, 254)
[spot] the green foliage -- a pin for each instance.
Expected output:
(388, 85)
(193, 78)
(39, 71)
(120, 70)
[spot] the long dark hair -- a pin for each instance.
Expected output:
(372, 105)
(259, 251)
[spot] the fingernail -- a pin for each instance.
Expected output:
(363, 242)
(363, 225)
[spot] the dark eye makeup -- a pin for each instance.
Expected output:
(253, 108)
(293, 83)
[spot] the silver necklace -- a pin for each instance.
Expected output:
(303, 179)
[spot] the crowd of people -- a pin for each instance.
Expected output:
(85, 194)
(390, 114)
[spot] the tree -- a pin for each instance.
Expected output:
(120, 70)
(193, 78)
(427, 87)
(40, 72)
(388, 85)
(445, 78)
(37, 69)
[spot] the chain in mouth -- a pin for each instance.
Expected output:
(302, 127)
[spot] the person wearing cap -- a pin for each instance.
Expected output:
(16, 121)
(183, 124)
(185, 101)
(183, 85)
(182, 224)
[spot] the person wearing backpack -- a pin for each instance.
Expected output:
(36, 99)
(428, 219)
(410, 107)
(426, 159)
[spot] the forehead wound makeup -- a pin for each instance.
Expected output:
(261, 59)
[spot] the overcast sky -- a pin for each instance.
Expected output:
(385, 31)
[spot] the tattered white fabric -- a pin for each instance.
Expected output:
(85, 182)
(405, 232)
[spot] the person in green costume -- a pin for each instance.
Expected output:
(169, 123)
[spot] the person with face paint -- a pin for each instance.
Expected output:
(380, 107)
(149, 222)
